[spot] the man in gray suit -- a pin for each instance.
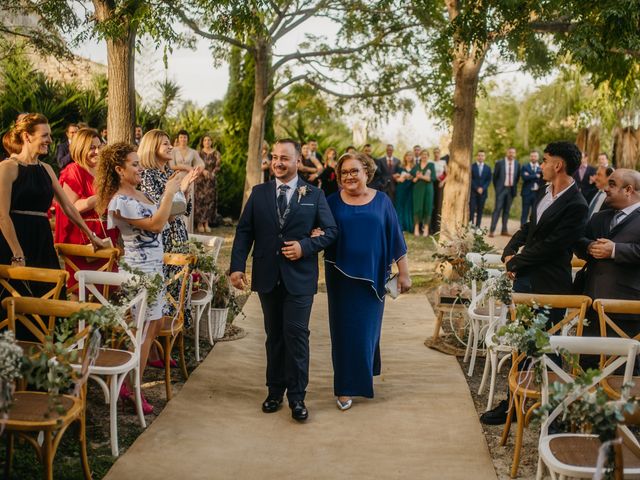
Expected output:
(505, 180)
(611, 246)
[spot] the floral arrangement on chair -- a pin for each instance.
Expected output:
(10, 369)
(527, 333)
(451, 252)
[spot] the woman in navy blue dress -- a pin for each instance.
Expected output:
(357, 268)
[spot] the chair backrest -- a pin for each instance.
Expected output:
(30, 274)
(89, 281)
(211, 243)
(624, 351)
(39, 315)
(481, 296)
(576, 306)
(604, 307)
(485, 259)
(68, 250)
(182, 276)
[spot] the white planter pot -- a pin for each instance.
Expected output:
(218, 322)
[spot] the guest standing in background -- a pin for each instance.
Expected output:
(206, 189)
(265, 163)
(404, 192)
(77, 183)
(186, 158)
(357, 267)
(313, 150)
(416, 155)
(480, 181)
(328, 177)
(387, 166)
(310, 168)
(438, 190)
(584, 178)
(424, 174)
(63, 156)
(505, 183)
(532, 183)
(599, 200)
(137, 134)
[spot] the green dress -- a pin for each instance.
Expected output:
(423, 194)
(404, 200)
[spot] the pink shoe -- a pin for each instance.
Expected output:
(159, 363)
(147, 408)
(128, 397)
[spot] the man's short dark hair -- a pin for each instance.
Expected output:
(416, 146)
(71, 125)
(567, 151)
(183, 132)
(366, 145)
(480, 151)
(349, 147)
(605, 154)
(312, 140)
(296, 145)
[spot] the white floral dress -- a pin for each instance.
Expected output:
(142, 249)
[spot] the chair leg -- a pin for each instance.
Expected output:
(183, 362)
(167, 365)
(113, 414)
(47, 455)
(485, 372)
(196, 328)
(210, 326)
(436, 330)
(467, 351)
(494, 374)
(9, 460)
(507, 425)
(540, 470)
(84, 457)
(138, 393)
(474, 347)
(517, 450)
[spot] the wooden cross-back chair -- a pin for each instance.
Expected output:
(172, 329)
(522, 386)
(606, 308)
(26, 275)
(29, 417)
(68, 250)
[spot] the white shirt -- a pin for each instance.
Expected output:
(548, 200)
(597, 201)
(292, 188)
(480, 167)
(626, 212)
(535, 167)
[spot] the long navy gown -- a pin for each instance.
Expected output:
(357, 266)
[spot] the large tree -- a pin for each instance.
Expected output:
(535, 33)
(356, 64)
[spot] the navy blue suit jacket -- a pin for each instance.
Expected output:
(478, 180)
(259, 227)
(500, 173)
(529, 180)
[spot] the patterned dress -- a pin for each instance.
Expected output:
(142, 249)
(206, 190)
(174, 236)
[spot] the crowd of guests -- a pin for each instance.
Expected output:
(138, 197)
(508, 173)
(414, 184)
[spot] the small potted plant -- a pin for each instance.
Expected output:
(224, 302)
(10, 369)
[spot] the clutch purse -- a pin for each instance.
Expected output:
(179, 204)
(392, 286)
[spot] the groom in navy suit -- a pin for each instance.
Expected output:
(277, 221)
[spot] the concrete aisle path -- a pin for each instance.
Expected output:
(421, 425)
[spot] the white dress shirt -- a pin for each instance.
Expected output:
(509, 172)
(548, 200)
(292, 188)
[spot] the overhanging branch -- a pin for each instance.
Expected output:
(211, 36)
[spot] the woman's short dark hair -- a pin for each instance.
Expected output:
(368, 164)
(567, 151)
(183, 132)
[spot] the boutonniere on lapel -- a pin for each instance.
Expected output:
(302, 191)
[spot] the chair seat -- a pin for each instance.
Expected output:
(579, 453)
(484, 311)
(201, 297)
(521, 379)
(170, 326)
(30, 411)
(615, 382)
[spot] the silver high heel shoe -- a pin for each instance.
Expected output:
(344, 405)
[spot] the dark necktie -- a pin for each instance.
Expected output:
(282, 199)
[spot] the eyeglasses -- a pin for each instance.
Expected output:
(350, 173)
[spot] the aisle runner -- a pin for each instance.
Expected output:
(421, 425)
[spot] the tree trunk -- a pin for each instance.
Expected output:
(455, 205)
(121, 94)
(258, 114)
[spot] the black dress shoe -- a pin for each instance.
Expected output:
(498, 416)
(299, 411)
(271, 404)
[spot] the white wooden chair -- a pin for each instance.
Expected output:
(574, 455)
(201, 299)
(112, 366)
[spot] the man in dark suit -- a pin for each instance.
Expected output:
(505, 181)
(532, 182)
(538, 256)
(63, 157)
(313, 150)
(383, 178)
(277, 221)
(611, 248)
(480, 181)
(598, 201)
(584, 178)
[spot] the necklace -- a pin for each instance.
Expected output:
(22, 162)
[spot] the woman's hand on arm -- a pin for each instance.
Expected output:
(8, 175)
